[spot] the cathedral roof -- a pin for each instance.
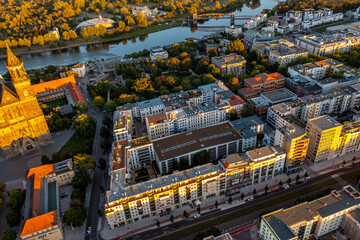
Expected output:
(12, 60)
(7, 87)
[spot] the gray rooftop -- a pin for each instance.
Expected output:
(324, 122)
(150, 103)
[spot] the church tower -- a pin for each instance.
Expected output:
(22, 123)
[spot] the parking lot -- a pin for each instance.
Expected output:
(65, 197)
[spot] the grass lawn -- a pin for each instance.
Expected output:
(248, 210)
(57, 102)
(76, 144)
(322, 29)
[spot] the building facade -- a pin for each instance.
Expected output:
(22, 122)
(265, 82)
(231, 63)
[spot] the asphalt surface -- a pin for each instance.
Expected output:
(161, 231)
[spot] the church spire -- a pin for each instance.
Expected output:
(12, 60)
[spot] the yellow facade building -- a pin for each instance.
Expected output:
(22, 122)
(324, 134)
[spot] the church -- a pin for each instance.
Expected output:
(22, 123)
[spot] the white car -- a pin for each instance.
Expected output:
(197, 215)
(89, 230)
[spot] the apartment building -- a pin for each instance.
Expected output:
(126, 204)
(231, 63)
(158, 52)
(302, 86)
(315, 218)
(248, 128)
(122, 127)
(285, 52)
(219, 140)
(324, 133)
(294, 141)
(278, 96)
(265, 82)
(157, 126)
(150, 107)
(327, 43)
(42, 214)
(276, 115)
(139, 152)
(349, 140)
(334, 102)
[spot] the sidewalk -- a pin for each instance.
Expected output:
(206, 206)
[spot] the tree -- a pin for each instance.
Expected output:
(81, 180)
(141, 20)
(16, 198)
(297, 179)
(289, 180)
(306, 175)
(75, 216)
(45, 160)
(78, 194)
(280, 183)
(110, 106)
(157, 223)
(354, 159)
(143, 85)
(98, 103)
(266, 189)
(13, 218)
(230, 200)
(8, 235)
(84, 161)
(172, 218)
(102, 164)
(254, 192)
(104, 132)
(216, 204)
(105, 144)
(82, 107)
(185, 214)
(247, 111)
(235, 46)
(234, 84)
(107, 121)
(82, 124)
(233, 115)
(129, 21)
(242, 196)
(184, 163)
(198, 209)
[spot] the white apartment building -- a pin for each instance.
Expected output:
(122, 127)
(276, 115)
(79, 69)
(158, 52)
(315, 218)
(139, 152)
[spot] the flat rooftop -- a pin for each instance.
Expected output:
(324, 122)
(279, 95)
(183, 143)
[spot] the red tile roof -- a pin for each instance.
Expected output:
(68, 82)
(39, 223)
(235, 100)
(263, 77)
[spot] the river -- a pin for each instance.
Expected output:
(120, 48)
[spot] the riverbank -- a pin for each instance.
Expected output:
(94, 40)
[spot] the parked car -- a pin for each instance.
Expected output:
(197, 215)
(89, 230)
(64, 195)
(293, 185)
(286, 186)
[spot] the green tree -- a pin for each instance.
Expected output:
(234, 84)
(84, 161)
(216, 204)
(81, 180)
(16, 198)
(104, 132)
(82, 107)
(184, 163)
(247, 111)
(297, 178)
(289, 180)
(280, 183)
(105, 144)
(8, 235)
(185, 214)
(306, 175)
(82, 124)
(110, 106)
(176, 165)
(13, 218)
(45, 160)
(98, 103)
(198, 209)
(107, 121)
(254, 192)
(172, 218)
(266, 189)
(230, 200)
(75, 216)
(78, 194)
(102, 164)
(242, 196)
